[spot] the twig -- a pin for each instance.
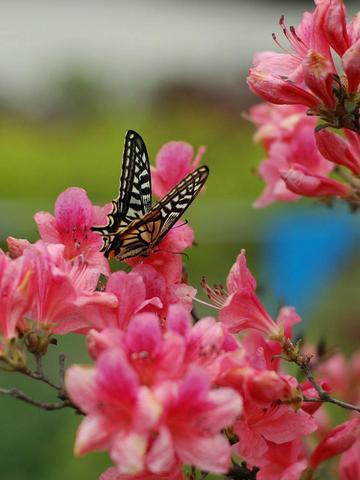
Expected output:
(323, 395)
(15, 393)
(62, 369)
(41, 377)
(293, 355)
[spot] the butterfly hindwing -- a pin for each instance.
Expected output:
(149, 230)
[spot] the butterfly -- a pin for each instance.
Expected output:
(135, 226)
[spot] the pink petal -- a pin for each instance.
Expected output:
(283, 424)
(144, 334)
(80, 385)
(92, 435)
(227, 405)
(47, 227)
(161, 457)
(115, 379)
(128, 453)
(17, 246)
(195, 450)
(178, 320)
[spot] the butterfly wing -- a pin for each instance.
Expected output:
(145, 233)
(134, 198)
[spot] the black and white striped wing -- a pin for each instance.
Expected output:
(134, 198)
(143, 234)
(172, 206)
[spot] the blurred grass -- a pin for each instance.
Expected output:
(39, 159)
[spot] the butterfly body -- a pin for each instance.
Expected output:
(135, 227)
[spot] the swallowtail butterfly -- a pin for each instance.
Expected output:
(135, 226)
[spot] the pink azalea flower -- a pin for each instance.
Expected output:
(120, 413)
(278, 424)
(279, 77)
(283, 462)
(338, 150)
(296, 146)
(307, 74)
(153, 355)
(337, 441)
(303, 182)
(15, 293)
(143, 289)
(239, 306)
(173, 162)
(340, 35)
(150, 429)
(277, 122)
(71, 226)
(263, 353)
(349, 467)
(206, 343)
(60, 290)
(276, 90)
(193, 418)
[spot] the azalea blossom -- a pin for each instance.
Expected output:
(337, 441)
(285, 461)
(193, 418)
(120, 413)
(144, 289)
(278, 424)
(340, 151)
(71, 226)
(173, 162)
(60, 290)
(307, 75)
(15, 293)
(239, 307)
(187, 417)
(303, 182)
(292, 145)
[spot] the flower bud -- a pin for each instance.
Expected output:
(305, 183)
(337, 441)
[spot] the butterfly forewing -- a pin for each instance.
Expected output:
(134, 198)
(149, 230)
(135, 182)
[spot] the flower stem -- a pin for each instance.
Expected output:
(15, 393)
(293, 354)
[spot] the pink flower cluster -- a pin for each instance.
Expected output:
(303, 83)
(164, 392)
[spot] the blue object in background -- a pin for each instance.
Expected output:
(304, 252)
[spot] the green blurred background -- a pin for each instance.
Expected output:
(74, 78)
